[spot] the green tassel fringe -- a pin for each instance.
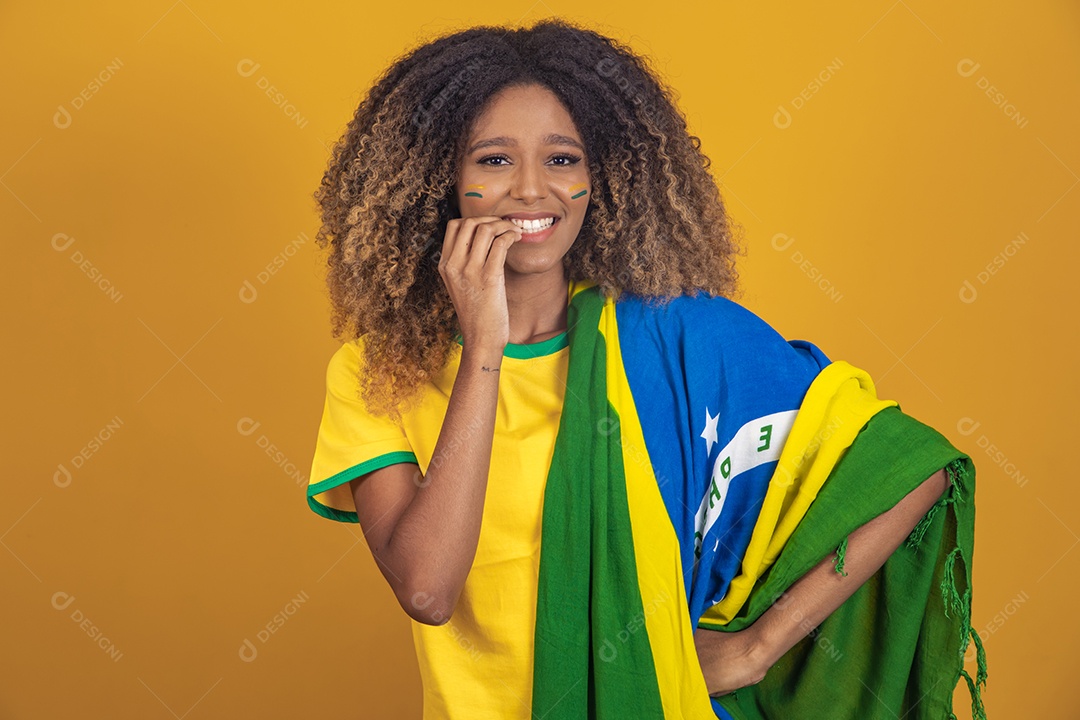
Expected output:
(980, 655)
(978, 711)
(839, 564)
(954, 471)
(957, 473)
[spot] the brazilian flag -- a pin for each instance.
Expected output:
(703, 464)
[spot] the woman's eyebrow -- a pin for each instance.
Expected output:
(550, 139)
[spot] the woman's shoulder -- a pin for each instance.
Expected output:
(343, 365)
(714, 326)
(350, 351)
(698, 312)
(346, 364)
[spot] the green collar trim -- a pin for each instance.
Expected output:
(527, 351)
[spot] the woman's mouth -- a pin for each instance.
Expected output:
(533, 231)
(533, 226)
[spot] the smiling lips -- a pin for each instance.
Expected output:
(533, 226)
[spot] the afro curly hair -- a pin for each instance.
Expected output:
(656, 225)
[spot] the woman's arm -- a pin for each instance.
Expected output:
(423, 530)
(731, 660)
(427, 544)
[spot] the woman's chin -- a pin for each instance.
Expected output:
(519, 265)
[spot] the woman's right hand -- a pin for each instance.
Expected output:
(471, 266)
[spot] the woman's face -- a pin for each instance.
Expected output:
(525, 158)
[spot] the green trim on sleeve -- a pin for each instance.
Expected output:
(398, 456)
(333, 513)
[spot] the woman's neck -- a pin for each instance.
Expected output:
(536, 305)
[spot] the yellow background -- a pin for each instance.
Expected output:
(179, 180)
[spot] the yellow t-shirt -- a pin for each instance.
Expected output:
(479, 664)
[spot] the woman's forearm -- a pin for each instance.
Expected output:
(731, 660)
(822, 590)
(438, 533)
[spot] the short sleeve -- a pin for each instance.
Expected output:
(351, 441)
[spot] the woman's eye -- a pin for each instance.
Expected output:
(569, 160)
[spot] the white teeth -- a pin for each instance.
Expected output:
(532, 226)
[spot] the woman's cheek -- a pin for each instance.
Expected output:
(476, 191)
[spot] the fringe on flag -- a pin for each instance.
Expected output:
(957, 471)
(839, 564)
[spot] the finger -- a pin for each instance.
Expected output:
(463, 239)
(496, 259)
(463, 242)
(485, 235)
(453, 228)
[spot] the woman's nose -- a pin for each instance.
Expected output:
(530, 182)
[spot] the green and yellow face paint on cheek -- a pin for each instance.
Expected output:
(474, 194)
(572, 188)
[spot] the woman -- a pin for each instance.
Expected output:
(503, 208)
